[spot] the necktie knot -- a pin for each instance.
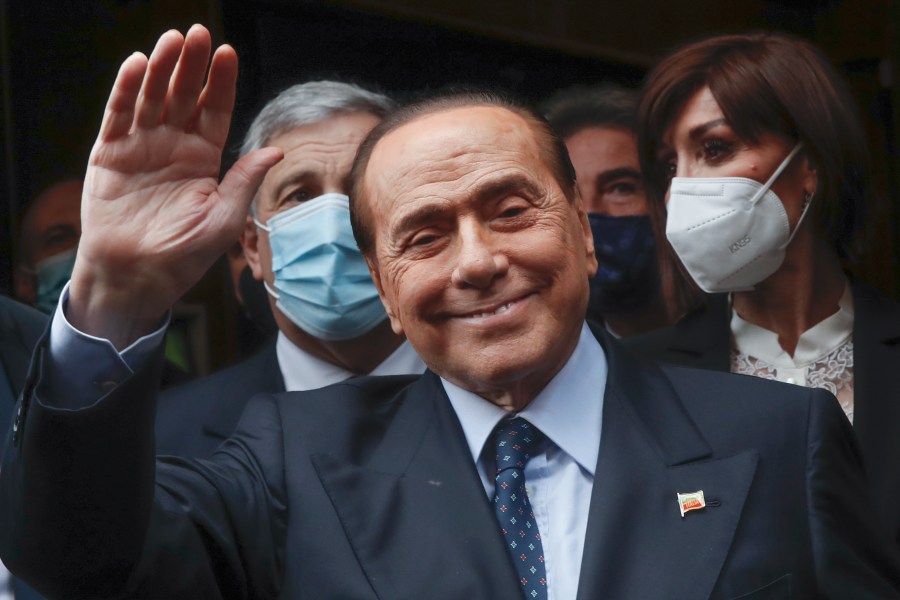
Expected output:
(516, 441)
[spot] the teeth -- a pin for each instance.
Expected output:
(500, 310)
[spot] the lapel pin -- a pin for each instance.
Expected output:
(689, 501)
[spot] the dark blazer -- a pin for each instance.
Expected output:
(703, 340)
(20, 329)
(366, 489)
(193, 419)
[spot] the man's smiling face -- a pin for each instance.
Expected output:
(480, 257)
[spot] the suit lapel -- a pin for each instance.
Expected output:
(650, 450)
(416, 514)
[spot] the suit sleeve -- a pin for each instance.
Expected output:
(853, 555)
(87, 512)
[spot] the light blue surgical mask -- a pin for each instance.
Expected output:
(52, 275)
(322, 283)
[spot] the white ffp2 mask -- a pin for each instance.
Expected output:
(730, 232)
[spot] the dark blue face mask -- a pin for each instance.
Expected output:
(627, 277)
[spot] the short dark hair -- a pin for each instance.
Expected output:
(552, 146)
(578, 107)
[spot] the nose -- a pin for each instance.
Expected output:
(478, 263)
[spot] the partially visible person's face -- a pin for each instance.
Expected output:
(607, 169)
(317, 160)
(51, 228)
(701, 143)
(54, 226)
(480, 258)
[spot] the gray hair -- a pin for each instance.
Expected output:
(306, 104)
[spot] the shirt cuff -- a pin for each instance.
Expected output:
(83, 368)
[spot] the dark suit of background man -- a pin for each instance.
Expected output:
(20, 329)
(319, 125)
(467, 211)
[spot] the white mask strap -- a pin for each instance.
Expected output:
(784, 165)
(272, 292)
(262, 226)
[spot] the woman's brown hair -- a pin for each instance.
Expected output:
(764, 83)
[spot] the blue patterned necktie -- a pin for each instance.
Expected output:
(515, 441)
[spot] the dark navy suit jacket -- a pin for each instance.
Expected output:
(192, 420)
(20, 329)
(702, 339)
(367, 490)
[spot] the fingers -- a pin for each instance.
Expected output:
(152, 98)
(187, 81)
(119, 114)
(213, 114)
(243, 179)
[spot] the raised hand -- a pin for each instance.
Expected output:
(154, 215)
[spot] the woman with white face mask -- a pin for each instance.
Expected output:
(758, 180)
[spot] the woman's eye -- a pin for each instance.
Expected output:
(670, 169)
(716, 148)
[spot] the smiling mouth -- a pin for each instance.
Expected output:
(491, 312)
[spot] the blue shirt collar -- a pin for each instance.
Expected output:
(569, 410)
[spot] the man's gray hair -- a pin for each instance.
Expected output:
(309, 103)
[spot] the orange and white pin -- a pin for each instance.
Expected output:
(689, 501)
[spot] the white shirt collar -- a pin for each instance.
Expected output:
(569, 410)
(303, 371)
(814, 343)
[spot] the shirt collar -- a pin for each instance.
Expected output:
(569, 410)
(814, 343)
(303, 371)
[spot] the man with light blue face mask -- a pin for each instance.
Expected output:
(598, 127)
(48, 240)
(298, 242)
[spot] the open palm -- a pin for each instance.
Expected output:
(154, 214)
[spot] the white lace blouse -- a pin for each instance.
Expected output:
(823, 358)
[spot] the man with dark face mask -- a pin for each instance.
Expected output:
(597, 125)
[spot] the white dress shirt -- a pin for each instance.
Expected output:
(559, 481)
(303, 371)
(822, 359)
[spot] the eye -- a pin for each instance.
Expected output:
(423, 238)
(299, 195)
(623, 188)
(715, 148)
(670, 167)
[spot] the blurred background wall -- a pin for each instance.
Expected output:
(58, 59)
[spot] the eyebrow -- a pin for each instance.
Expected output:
(619, 173)
(699, 130)
(497, 188)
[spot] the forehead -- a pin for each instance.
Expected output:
(602, 145)
(699, 110)
(60, 205)
(321, 148)
(446, 153)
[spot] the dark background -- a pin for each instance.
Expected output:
(59, 59)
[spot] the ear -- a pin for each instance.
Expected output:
(250, 243)
(588, 236)
(388, 304)
(810, 178)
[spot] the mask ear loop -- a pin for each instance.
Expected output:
(807, 200)
(784, 165)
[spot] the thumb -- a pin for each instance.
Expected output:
(246, 175)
